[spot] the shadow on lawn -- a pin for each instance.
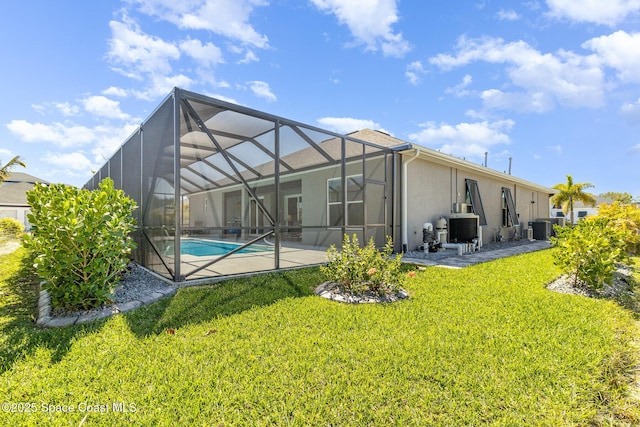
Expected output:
(19, 307)
(203, 303)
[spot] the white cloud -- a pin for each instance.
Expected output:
(631, 111)
(478, 115)
(138, 52)
(104, 107)
(63, 135)
(76, 161)
(249, 57)
(104, 139)
(507, 15)
(469, 140)
(370, 23)
(4, 153)
(414, 71)
(206, 55)
(532, 102)
(620, 51)
(67, 109)
(262, 90)
(460, 89)
(109, 139)
(161, 86)
(635, 149)
(555, 148)
(64, 108)
(229, 18)
(532, 5)
(543, 80)
(115, 91)
(609, 12)
(346, 125)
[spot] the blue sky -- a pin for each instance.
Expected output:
(554, 85)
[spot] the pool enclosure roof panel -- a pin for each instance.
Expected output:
(247, 139)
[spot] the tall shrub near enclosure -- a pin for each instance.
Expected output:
(627, 217)
(80, 241)
(364, 269)
(590, 251)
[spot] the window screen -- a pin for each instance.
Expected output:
(473, 198)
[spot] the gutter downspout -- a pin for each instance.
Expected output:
(405, 202)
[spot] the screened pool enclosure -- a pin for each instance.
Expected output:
(222, 189)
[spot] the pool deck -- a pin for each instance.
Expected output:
(292, 257)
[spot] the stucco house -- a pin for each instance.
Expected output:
(13, 197)
(580, 210)
(223, 189)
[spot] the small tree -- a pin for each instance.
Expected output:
(571, 192)
(80, 241)
(623, 198)
(590, 251)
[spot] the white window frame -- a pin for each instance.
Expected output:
(348, 202)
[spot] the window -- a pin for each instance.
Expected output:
(355, 201)
(509, 215)
(473, 199)
(582, 214)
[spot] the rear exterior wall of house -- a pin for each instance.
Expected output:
(433, 189)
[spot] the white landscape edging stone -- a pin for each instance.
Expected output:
(46, 320)
(333, 291)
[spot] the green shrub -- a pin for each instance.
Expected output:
(627, 217)
(364, 269)
(80, 241)
(590, 250)
(10, 228)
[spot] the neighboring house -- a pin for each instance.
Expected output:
(580, 210)
(223, 189)
(13, 196)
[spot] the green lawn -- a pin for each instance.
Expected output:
(485, 345)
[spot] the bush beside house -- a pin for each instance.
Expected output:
(80, 241)
(10, 228)
(364, 269)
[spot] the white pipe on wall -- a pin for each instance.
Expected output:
(405, 202)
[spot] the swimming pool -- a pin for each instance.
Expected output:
(202, 247)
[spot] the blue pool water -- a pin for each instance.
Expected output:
(201, 247)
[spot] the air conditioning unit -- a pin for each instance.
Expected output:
(542, 229)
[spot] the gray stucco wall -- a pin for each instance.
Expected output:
(434, 188)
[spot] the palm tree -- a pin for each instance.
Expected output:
(570, 192)
(4, 170)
